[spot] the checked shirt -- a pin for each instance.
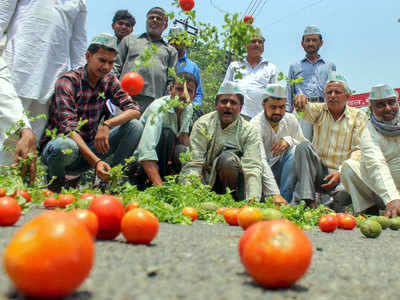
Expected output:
(76, 100)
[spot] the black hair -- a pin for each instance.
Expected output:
(93, 48)
(156, 8)
(320, 37)
(186, 76)
(240, 96)
(123, 14)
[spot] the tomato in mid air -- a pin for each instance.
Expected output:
(186, 5)
(132, 83)
(248, 19)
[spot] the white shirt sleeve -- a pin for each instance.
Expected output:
(269, 186)
(7, 9)
(79, 38)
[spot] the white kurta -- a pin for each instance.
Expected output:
(289, 129)
(11, 110)
(252, 83)
(44, 39)
(378, 171)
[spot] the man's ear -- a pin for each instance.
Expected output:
(87, 55)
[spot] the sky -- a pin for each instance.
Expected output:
(361, 37)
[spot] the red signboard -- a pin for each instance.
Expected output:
(361, 99)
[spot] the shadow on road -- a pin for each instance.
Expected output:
(294, 288)
(79, 295)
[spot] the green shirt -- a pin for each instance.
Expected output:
(208, 140)
(155, 75)
(154, 122)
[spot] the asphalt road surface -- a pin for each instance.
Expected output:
(201, 262)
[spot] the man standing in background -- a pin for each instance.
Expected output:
(45, 38)
(155, 74)
(176, 39)
(123, 23)
(256, 72)
(314, 71)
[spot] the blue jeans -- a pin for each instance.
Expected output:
(62, 155)
(284, 171)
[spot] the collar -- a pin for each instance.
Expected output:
(262, 61)
(84, 76)
(147, 37)
(320, 59)
(184, 58)
(345, 114)
(233, 124)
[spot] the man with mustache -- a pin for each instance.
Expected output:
(374, 181)
(337, 129)
(80, 96)
(123, 23)
(314, 69)
(225, 148)
(256, 73)
(155, 74)
(166, 131)
(280, 132)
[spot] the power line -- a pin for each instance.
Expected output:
(295, 12)
(262, 7)
(250, 7)
(256, 7)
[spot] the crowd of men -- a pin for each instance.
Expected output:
(299, 142)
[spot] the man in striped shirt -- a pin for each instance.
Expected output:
(337, 129)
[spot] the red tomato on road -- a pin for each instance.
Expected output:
(347, 222)
(328, 223)
(23, 194)
(10, 211)
(276, 253)
(248, 19)
(139, 226)
(132, 83)
(190, 212)
(51, 203)
(86, 218)
(47, 193)
(65, 199)
(186, 5)
(2, 192)
(109, 211)
(132, 205)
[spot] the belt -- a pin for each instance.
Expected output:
(316, 99)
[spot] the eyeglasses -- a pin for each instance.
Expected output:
(158, 18)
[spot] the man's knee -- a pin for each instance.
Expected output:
(346, 173)
(302, 148)
(61, 150)
(228, 166)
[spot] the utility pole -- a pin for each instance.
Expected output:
(188, 28)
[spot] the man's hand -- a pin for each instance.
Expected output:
(278, 199)
(393, 209)
(101, 140)
(332, 181)
(102, 170)
(183, 139)
(25, 145)
(300, 102)
(279, 147)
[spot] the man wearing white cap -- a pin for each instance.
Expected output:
(280, 132)
(226, 148)
(81, 95)
(256, 73)
(314, 69)
(337, 128)
(374, 180)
